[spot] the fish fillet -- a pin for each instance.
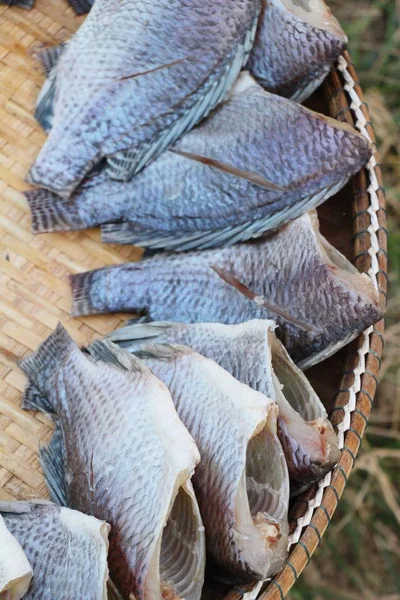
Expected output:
(121, 453)
(241, 172)
(241, 482)
(316, 296)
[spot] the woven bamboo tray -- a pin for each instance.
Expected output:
(35, 294)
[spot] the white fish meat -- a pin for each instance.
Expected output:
(15, 569)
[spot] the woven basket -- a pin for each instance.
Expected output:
(35, 293)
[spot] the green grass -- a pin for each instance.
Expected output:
(359, 557)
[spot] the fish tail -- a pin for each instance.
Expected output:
(81, 286)
(81, 7)
(50, 213)
(41, 365)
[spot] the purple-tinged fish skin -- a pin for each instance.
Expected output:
(134, 78)
(296, 269)
(297, 42)
(67, 550)
(247, 161)
(241, 482)
(111, 456)
(253, 355)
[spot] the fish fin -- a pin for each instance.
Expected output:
(40, 365)
(33, 399)
(44, 110)
(138, 331)
(80, 7)
(49, 212)
(112, 591)
(130, 233)
(162, 351)
(48, 57)
(53, 465)
(27, 4)
(107, 352)
(123, 165)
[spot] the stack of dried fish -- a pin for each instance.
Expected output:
(186, 436)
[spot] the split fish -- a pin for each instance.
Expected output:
(253, 355)
(67, 550)
(241, 482)
(296, 44)
(15, 569)
(134, 78)
(28, 4)
(241, 172)
(294, 276)
(120, 453)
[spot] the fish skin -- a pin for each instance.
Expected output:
(106, 103)
(246, 527)
(253, 355)
(15, 569)
(116, 424)
(295, 47)
(294, 263)
(67, 549)
(168, 204)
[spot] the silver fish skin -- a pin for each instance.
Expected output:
(135, 77)
(15, 569)
(252, 354)
(241, 482)
(241, 172)
(323, 301)
(66, 548)
(296, 44)
(121, 453)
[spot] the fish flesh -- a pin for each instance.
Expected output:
(294, 276)
(120, 453)
(253, 355)
(67, 550)
(241, 482)
(296, 44)
(134, 78)
(15, 569)
(241, 172)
